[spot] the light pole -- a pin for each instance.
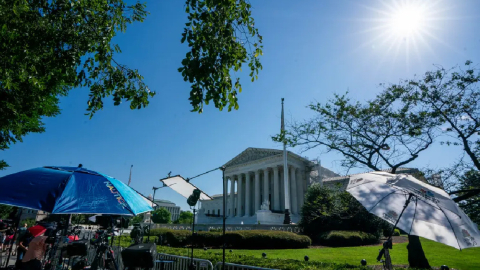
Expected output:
(153, 199)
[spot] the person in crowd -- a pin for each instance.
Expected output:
(9, 233)
(20, 234)
(22, 247)
(3, 228)
(35, 252)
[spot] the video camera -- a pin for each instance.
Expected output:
(53, 229)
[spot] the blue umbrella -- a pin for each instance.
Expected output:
(71, 190)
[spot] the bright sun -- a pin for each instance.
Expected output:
(407, 20)
(403, 30)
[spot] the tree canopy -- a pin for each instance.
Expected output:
(400, 123)
(222, 36)
(51, 47)
(161, 215)
(137, 219)
(469, 195)
(5, 211)
(374, 135)
(185, 217)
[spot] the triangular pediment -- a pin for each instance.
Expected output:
(251, 154)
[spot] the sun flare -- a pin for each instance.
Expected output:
(407, 20)
(404, 31)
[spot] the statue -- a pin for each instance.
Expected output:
(265, 205)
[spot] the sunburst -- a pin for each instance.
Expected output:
(404, 29)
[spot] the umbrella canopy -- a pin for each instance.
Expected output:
(37, 230)
(71, 190)
(429, 211)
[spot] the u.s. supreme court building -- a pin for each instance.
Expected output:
(256, 192)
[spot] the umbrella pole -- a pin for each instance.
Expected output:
(410, 195)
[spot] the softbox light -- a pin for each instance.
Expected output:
(183, 187)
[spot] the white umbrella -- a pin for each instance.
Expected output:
(93, 218)
(415, 207)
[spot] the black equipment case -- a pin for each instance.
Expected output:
(78, 248)
(140, 255)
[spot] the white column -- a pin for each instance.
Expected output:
(239, 196)
(276, 189)
(300, 191)
(225, 193)
(247, 195)
(282, 189)
(266, 186)
(257, 192)
(232, 196)
(293, 190)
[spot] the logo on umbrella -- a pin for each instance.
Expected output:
(355, 181)
(469, 240)
(117, 195)
(391, 216)
(427, 194)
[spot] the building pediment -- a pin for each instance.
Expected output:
(252, 154)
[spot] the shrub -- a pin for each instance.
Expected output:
(347, 238)
(387, 232)
(178, 238)
(259, 239)
(256, 239)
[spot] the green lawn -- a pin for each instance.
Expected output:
(437, 254)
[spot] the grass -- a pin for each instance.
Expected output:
(437, 254)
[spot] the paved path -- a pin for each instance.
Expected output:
(12, 260)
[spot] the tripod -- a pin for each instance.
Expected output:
(104, 256)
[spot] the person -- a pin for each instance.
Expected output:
(35, 252)
(20, 234)
(3, 229)
(22, 247)
(22, 231)
(9, 233)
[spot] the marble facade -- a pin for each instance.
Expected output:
(256, 188)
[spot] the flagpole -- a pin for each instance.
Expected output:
(287, 219)
(130, 177)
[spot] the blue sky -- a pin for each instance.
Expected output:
(312, 49)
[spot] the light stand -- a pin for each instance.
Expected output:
(192, 201)
(192, 265)
(151, 215)
(224, 215)
(224, 205)
(388, 244)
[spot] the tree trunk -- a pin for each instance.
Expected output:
(416, 256)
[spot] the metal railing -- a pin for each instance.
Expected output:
(232, 266)
(182, 263)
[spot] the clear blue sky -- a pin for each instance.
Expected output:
(312, 49)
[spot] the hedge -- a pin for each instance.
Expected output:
(255, 239)
(387, 232)
(347, 238)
